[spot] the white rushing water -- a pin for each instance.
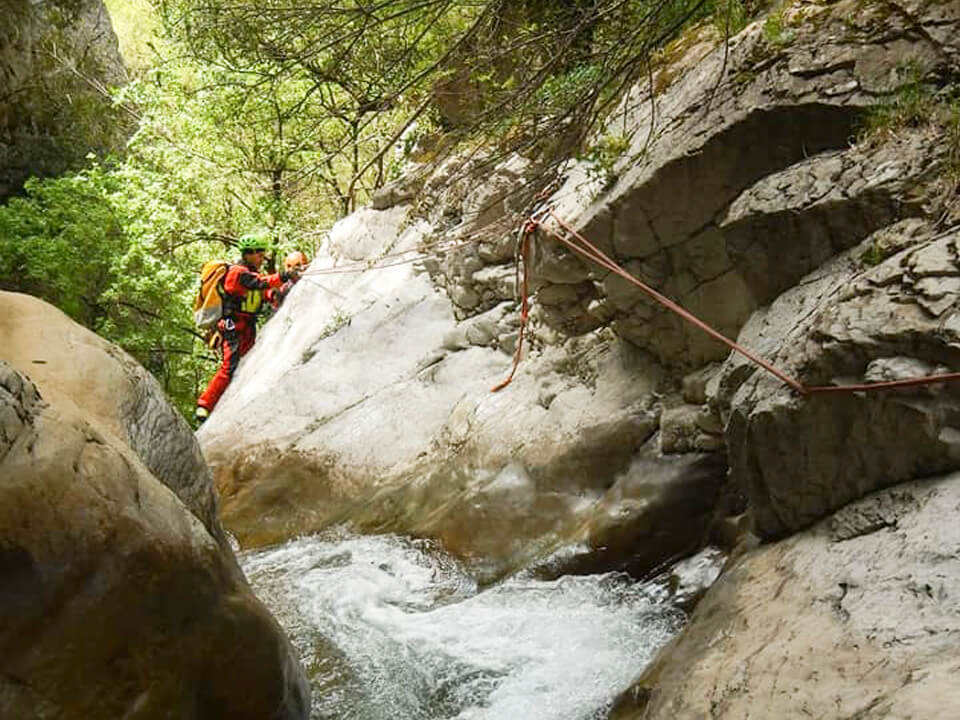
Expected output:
(390, 628)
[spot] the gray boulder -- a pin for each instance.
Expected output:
(800, 457)
(74, 367)
(853, 618)
(119, 594)
(738, 181)
(51, 55)
(374, 406)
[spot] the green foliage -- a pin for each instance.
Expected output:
(209, 164)
(912, 105)
(603, 155)
(287, 115)
(58, 243)
(559, 91)
(67, 241)
(873, 255)
(731, 16)
(775, 29)
(530, 76)
(917, 103)
(137, 28)
(337, 322)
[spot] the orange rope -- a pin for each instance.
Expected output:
(592, 252)
(528, 229)
(600, 258)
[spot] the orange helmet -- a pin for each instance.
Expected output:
(296, 259)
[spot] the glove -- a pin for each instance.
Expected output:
(290, 275)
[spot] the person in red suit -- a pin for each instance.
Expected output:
(246, 292)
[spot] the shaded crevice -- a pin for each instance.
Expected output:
(685, 195)
(838, 607)
(689, 191)
(808, 73)
(319, 422)
(798, 241)
(869, 529)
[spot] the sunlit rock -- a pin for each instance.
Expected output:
(75, 368)
(367, 398)
(374, 406)
(740, 180)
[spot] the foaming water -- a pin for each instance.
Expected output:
(391, 628)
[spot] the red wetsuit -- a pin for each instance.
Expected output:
(245, 291)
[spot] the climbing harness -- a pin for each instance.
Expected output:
(579, 244)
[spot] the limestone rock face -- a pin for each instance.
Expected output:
(740, 180)
(374, 406)
(119, 596)
(800, 458)
(368, 396)
(853, 618)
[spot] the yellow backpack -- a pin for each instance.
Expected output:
(208, 305)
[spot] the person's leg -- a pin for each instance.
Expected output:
(231, 358)
(248, 336)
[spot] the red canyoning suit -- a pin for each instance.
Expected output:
(245, 291)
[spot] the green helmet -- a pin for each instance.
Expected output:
(257, 240)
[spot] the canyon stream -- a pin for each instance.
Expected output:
(392, 628)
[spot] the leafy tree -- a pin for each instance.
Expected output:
(531, 76)
(67, 241)
(288, 115)
(59, 242)
(137, 27)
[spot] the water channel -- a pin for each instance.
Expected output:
(391, 628)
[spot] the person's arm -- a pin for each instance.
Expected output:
(276, 296)
(240, 279)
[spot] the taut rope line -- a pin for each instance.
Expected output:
(592, 252)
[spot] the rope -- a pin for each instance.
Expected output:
(600, 258)
(584, 247)
(529, 227)
(386, 261)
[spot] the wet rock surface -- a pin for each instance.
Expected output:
(627, 439)
(742, 186)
